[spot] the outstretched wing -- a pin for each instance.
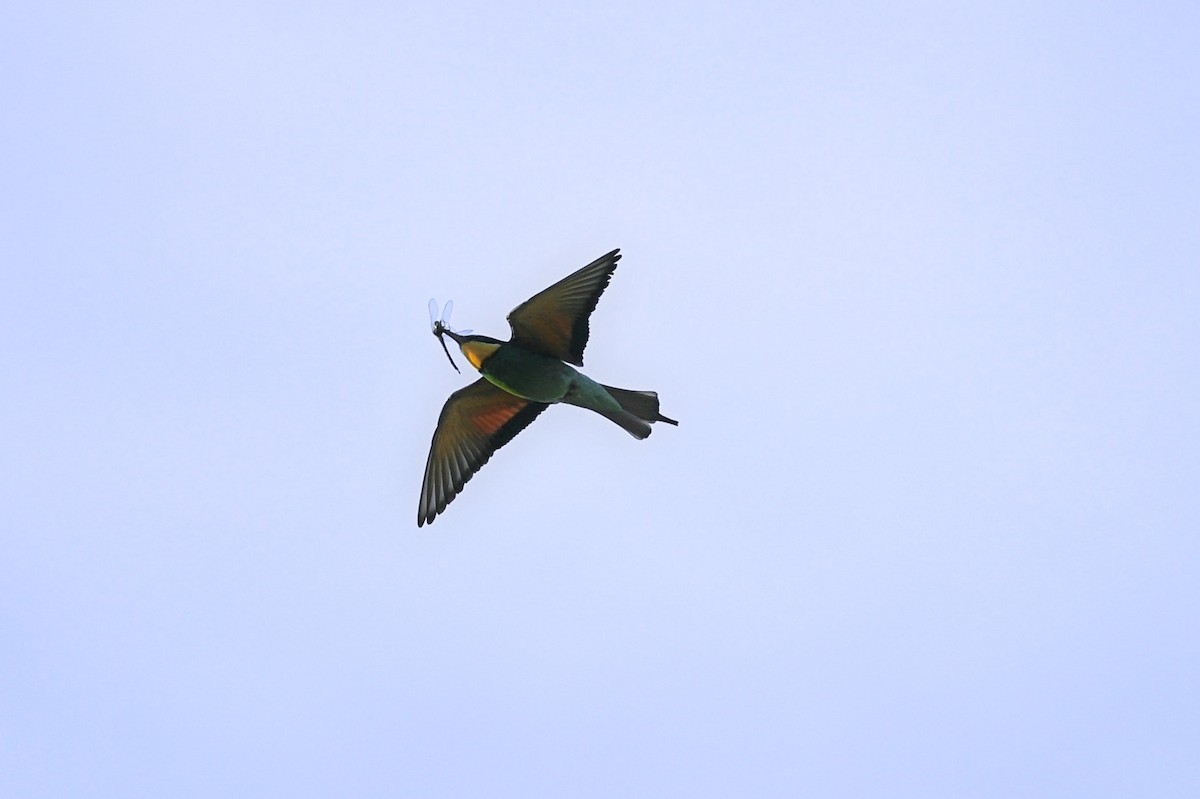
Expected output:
(555, 321)
(475, 422)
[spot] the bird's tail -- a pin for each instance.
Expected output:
(637, 408)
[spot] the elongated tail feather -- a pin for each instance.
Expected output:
(641, 404)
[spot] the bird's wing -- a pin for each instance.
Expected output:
(555, 321)
(475, 422)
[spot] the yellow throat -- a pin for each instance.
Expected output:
(478, 351)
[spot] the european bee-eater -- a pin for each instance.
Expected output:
(521, 378)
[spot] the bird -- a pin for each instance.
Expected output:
(522, 377)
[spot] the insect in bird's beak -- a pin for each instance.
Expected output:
(439, 330)
(440, 327)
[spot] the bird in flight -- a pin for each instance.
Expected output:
(523, 376)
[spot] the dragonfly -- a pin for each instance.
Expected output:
(440, 324)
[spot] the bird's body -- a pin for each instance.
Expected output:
(532, 375)
(521, 378)
(542, 378)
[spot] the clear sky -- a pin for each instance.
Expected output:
(919, 280)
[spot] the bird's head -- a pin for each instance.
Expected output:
(475, 349)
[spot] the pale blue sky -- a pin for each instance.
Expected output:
(919, 280)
